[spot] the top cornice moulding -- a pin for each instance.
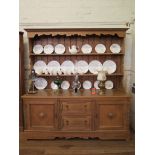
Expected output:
(76, 25)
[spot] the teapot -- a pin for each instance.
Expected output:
(73, 49)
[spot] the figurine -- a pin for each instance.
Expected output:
(76, 83)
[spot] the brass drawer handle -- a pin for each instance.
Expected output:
(67, 107)
(67, 122)
(85, 106)
(86, 122)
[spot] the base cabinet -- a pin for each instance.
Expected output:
(102, 118)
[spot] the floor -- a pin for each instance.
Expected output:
(75, 147)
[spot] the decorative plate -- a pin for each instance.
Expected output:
(59, 49)
(82, 67)
(87, 84)
(53, 85)
(95, 66)
(108, 84)
(67, 67)
(65, 85)
(109, 66)
(48, 49)
(100, 48)
(39, 67)
(37, 49)
(86, 49)
(96, 84)
(115, 48)
(53, 67)
(40, 83)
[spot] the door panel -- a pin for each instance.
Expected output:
(40, 114)
(110, 116)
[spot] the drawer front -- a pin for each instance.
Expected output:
(40, 115)
(76, 123)
(110, 116)
(76, 107)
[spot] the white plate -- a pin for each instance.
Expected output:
(87, 84)
(38, 49)
(53, 85)
(59, 49)
(67, 67)
(40, 83)
(109, 66)
(95, 66)
(86, 49)
(96, 84)
(39, 67)
(65, 85)
(53, 67)
(115, 48)
(108, 84)
(100, 48)
(48, 49)
(82, 67)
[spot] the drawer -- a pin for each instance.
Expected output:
(76, 107)
(77, 123)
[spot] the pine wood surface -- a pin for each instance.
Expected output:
(79, 37)
(75, 146)
(49, 114)
(75, 31)
(49, 93)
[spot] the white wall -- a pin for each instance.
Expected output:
(82, 13)
(75, 12)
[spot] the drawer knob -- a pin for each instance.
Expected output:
(110, 114)
(86, 122)
(67, 122)
(67, 107)
(42, 114)
(85, 106)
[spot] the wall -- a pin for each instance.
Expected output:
(82, 13)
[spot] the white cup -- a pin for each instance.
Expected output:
(54, 72)
(60, 72)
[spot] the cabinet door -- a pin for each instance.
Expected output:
(40, 114)
(111, 116)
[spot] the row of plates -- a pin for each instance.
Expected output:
(41, 83)
(68, 67)
(86, 48)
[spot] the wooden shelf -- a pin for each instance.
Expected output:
(81, 54)
(43, 75)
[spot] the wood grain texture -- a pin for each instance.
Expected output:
(49, 114)
(21, 79)
(76, 39)
(80, 32)
(82, 116)
(75, 146)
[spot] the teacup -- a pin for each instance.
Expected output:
(50, 70)
(39, 71)
(60, 72)
(54, 72)
(45, 71)
(68, 72)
